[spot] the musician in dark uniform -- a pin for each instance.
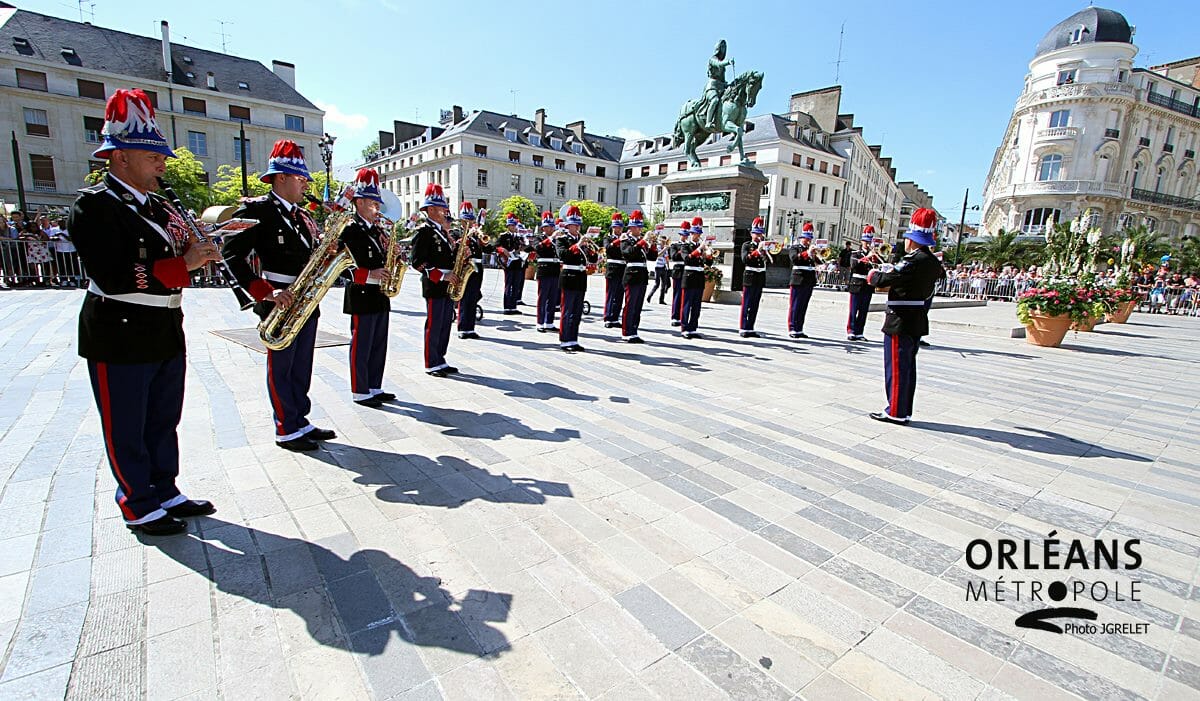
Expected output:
(860, 290)
(678, 251)
(802, 282)
(508, 249)
(433, 257)
(547, 274)
(575, 266)
(754, 278)
(911, 282)
(369, 308)
(638, 253)
(473, 291)
(283, 240)
(614, 274)
(662, 280)
(135, 247)
(696, 259)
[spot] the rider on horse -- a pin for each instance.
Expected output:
(715, 87)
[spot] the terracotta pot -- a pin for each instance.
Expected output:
(710, 286)
(1046, 330)
(529, 271)
(1088, 324)
(1122, 314)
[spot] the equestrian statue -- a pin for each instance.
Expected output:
(721, 110)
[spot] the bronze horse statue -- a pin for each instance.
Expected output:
(739, 95)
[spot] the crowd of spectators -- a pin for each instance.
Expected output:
(37, 252)
(1165, 292)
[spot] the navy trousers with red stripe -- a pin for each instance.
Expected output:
(514, 283)
(368, 352)
(751, 296)
(572, 313)
(468, 305)
(798, 307)
(860, 304)
(439, 313)
(631, 315)
(900, 373)
(140, 405)
(614, 295)
(676, 298)
(548, 294)
(289, 375)
(689, 315)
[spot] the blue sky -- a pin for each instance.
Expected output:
(934, 82)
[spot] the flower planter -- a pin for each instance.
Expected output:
(1088, 324)
(1047, 330)
(1121, 315)
(709, 287)
(529, 271)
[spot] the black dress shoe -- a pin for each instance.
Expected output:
(299, 445)
(578, 348)
(385, 396)
(888, 418)
(569, 349)
(923, 342)
(542, 329)
(798, 334)
(450, 369)
(510, 312)
(441, 372)
(675, 323)
(468, 335)
(635, 339)
(167, 525)
(192, 507)
(320, 434)
(372, 402)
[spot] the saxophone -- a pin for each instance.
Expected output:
(395, 265)
(283, 324)
(463, 267)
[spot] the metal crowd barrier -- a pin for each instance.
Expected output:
(33, 263)
(1184, 302)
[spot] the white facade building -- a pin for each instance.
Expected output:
(1091, 131)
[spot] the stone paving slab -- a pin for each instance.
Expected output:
(702, 519)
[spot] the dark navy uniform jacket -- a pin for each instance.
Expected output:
(804, 267)
(511, 242)
(753, 259)
(133, 255)
(636, 251)
(911, 283)
(613, 253)
(858, 272)
(433, 255)
(694, 262)
(368, 246)
(282, 240)
(675, 254)
(547, 258)
(574, 263)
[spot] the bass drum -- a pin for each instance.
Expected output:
(392, 210)
(218, 214)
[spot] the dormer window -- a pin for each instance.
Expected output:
(535, 140)
(577, 148)
(243, 85)
(21, 42)
(68, 52)
(190, 75)
(510, 134)
(555, 143)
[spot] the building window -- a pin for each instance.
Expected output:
(824, 167)
(407, 186)
(539, 186)
(645, 171)
(1066, 77)
(629, 173)
(581, 192)
(481, 150)
(1158, 180)
(662, 168)
(810, 163)
(510, 134)
(243, 85)
(42, 168)
(837, 197)
(796, 159)
(624, 195)
(192, 105)
(514, 156)
(796, 190)
(92, 128)
(577, 148)
(600, 171)
(703, 162)
(1060, 118)
(580, 168)
(560, 189)
(31, 80)
(239, 114)
(535, 140)
(783, 187)
(36, 122)
(293, 122)
(204, 177)
(601, 193)
(1121, 76)
(766, 192)
(538, 161)
(555, 143)
(560, 164)
(681, 165)
(1050, 167)
(837, 171)
(480, 204)
(726, 160)
(90, 88)
(198, 143)
(514, 182)
(1036, 220)
(658, 193)
(641, 195)
(1077, 35)
(752, 156)
(481, 178)
(237, 149)
(811, 190)
(153, 98)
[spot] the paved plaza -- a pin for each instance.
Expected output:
(703, 519)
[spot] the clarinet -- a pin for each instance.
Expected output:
(245, 301)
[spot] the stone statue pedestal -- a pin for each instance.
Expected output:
(727, 198)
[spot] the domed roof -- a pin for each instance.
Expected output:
(1097, 24)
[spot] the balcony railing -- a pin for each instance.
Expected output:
(44, 185)
(1063, 187)
(1164, 199)
(1058, 133)
(1172, 104)
(1112, 133)
(1144, 141)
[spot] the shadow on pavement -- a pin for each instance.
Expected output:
(373, 595)
(470, 424)
(525, 390)
(1036, 440)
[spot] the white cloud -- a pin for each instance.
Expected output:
(338, 118)
(630, 134)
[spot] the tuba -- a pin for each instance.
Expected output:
(326, 263)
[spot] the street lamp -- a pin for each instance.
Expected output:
(962, 224)
(326, 146)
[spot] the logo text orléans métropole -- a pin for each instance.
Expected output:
(1029, 559)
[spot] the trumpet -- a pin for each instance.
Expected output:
(769, 248)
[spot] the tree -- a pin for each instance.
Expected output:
(1148, 247)
(526, 211)
(184, 173)
(370, 150)
(227, 188)
(999, 250)
(593, 213)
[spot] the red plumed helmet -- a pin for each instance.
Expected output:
(697, 221)
(431, 189)
(924, 219)
(367, 176)
(868, 229)
(685, 225)
(617, 217)
(807, 226)
(286, 148)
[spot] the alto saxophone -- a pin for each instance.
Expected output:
(464, 267)
(395, 265)
(327, 262)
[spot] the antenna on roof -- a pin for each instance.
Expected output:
(837, 70)
(223, 23)
(91, 9)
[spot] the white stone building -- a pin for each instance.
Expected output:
(485, 157)
(55, 75)
(1091, 131)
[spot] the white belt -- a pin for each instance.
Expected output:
(694, 268)
(173, 301)
(756, 270)
(803, 267)
(477, 260)
(279, 277)
(860, 277)
(906, 303)
(635, 265)
(371, 281)
(616, 262)
(546, 260)
(575, 267)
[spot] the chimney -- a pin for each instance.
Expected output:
(539, 120)
(457, 115)
(577, 129)
(212, 81)
(166, 48)
(286, 72)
